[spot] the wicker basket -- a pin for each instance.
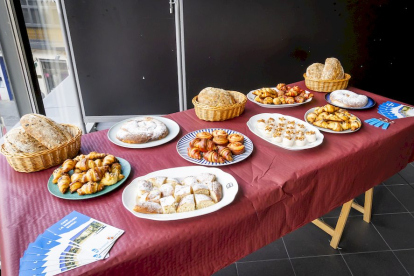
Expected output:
(215, 114)
(33, 162)
(327, 85)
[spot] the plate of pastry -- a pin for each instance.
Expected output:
(88, 176)
(214, 147)
(349, 100)
(280, 96)
(285, 131)
(333, 119)
(143, 132)
(179, 193)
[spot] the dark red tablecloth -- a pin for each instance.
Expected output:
(280, 191)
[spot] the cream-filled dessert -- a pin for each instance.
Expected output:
(261, 124)
(310, 136)
(288, 140)
(300, 127)
(268, 131)
(277, 137)
(300, 141)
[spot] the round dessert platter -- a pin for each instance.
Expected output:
(329, 130)
(371, 103)
(173, 130)
(274, 128)
(251, 98)
(183, 145)
(54, 189)
(228, 182)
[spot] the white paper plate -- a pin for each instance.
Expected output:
(173, 130)
(331, 131)
(230, 189)
(251, 97)
(183, 144)
(253, 128)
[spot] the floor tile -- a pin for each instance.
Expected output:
(321, 266)
(395, 179)
(275, 250)
(397, 229)
(265, 268)
(405, 194)
(230, 270)
(308, 240)
(375, 264)
(383, 201)
(359, 236)
(408, 174)
(407, 259)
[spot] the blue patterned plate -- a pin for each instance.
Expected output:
(369, 104)
(183, 144)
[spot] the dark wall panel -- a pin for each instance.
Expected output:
(125, 54)
(248, 44)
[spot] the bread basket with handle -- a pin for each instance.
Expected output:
(327, 85)
(215, 114)
(33, 162)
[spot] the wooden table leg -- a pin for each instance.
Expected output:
(340, 225)
(368, 205)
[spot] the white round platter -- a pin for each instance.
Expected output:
(173, 130)
(229, 183)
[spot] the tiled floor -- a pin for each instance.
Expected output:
(383, 247)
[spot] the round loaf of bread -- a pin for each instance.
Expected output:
(314, 71)
(346, 98)
(46, 131)
(332, 70)
(142, 130)
(18, 141)
(215, 97)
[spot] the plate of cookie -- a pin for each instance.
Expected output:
(285, 131)
(280, 96)
(143, 132)
(179, 193)
(88, 176)
(214, 147)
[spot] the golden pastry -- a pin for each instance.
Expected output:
(220, 133)
(235, 137)
(225, 152)
(109, 159)
(63, 183)
(57, 174)
(90, 188)
(204, 135)
(94, 155)
(236, 148)
(74, 186)
(220, 141)
(68, 165)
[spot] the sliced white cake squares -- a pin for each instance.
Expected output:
(144, 187)
(216, 191)
(201, 188)
(203, 201)
(189, 181)
(148, 207)
(181, 191)
(186, 204)
(206, 177)
(158, 180)
(169, 205)
(167, 189)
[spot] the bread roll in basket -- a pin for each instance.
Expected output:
(222, 112)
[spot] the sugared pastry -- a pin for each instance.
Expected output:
(288, 140)
(300, 127)
(277, 137)
(167, 190)
(220, 133)
(201, 188)
(310, 136)
(268, 131)
(169, 205)
(206, 177)
(220, 140)
(235, 137)
(148, 207)
(261, 124)
(186, 204)
(236, 148)
(181, 191)
(189, 181)
(158, 180)
(144, 187)
(300, 141)
(204, 135)
(282, 119)
(203, 201)
(216, 191)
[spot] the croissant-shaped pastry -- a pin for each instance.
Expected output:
(299, 99)
(77, 177)
(321, 123)
(94, 155)
(204, 134)
(79, 157)
(77, 171)
(83, 164)
(74, 186)
(335, 126)
(307, 95)
(63, 183)
(355, 125)
(291, 93)
(194, 153)
(225, 152)
(57, 174)
(68, 165)
(203, 145)
(345, 125)
(322, 116)
(332, 117)
(342, 116)
(258, 99)
(213, 156)
(330, 108)
(319, 110)
(281, 87)
(90, 188)
(95, 174)
(109, 159)
(116, 167)
(114, 176)
(98, 162)
(290, 100)
(311, 117)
